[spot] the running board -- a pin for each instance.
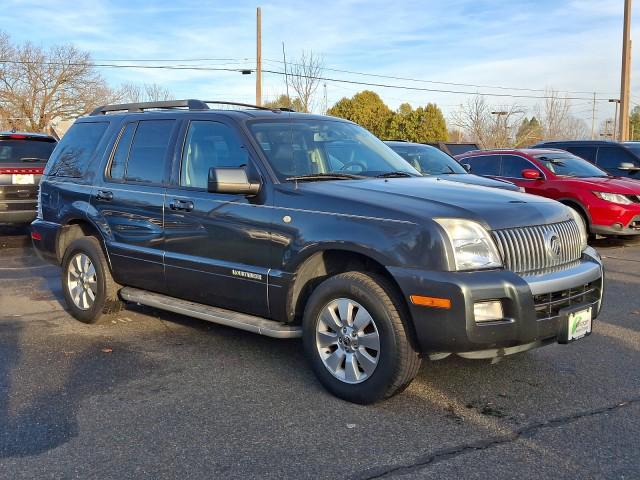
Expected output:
(242, 321)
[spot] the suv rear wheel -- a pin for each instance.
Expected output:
(87, 284)
(355, 340)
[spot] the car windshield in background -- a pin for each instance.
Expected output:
(568, 165)
(326, 149)
(428, 160)
(15, 151)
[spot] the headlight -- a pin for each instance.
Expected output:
(582, 226)
(473, 247)
(613, 198)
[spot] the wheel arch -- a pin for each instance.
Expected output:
(73, 229)
(324, 263)
(576, 204)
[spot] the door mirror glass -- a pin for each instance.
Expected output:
(231, 180)
(530, 174)
(627, 166)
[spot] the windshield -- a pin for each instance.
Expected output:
(322, 147)
(428, 160)
(16, 151)
(568, 165)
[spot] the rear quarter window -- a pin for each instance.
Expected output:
(74, 152)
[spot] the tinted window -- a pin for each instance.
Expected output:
(483, 165)
(209, 145)
(566, 164)
(610, 158)
(148, 151)
(428, 160)
(119, 161)
(513, 165)
(588, 153)
(26, 151)
(72, 155)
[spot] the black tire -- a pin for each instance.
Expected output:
(106, 295)
(397, 361)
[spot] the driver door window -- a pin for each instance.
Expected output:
(209, 145)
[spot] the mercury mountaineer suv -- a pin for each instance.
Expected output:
(297, 225)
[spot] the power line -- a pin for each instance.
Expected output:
(275, 72)
(353, 72)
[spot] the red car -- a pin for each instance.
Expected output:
(609, 205)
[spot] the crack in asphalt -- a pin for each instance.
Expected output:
(452, 452)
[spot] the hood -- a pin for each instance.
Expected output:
(627, 186)
(422, 198)
(471, 179)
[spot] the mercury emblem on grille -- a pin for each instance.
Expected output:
(552, 242)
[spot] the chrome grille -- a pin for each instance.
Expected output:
(525, 250)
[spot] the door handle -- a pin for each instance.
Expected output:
(104, 195)
(182, 205)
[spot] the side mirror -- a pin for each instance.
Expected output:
(627, 166)
(466, 166)
(231, 181)
(530, 174)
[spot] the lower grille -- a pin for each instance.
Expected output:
(548, 305)
(535, 249)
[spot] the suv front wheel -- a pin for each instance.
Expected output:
(355, 339)
(87, 285)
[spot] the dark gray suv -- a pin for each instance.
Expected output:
(297, 225)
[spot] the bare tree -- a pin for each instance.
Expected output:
(39, 87)
(489, 127)
(304, 78)
(556, 119)
(143, 92)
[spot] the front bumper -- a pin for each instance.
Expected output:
(631, 227)
(532, 306)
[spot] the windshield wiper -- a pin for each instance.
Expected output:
(32, 159)
(397, 174)
(311, 177)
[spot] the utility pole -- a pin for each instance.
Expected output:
(615, 120)
(326, 105)
(625, 73)
(593, 118)
(258, 57)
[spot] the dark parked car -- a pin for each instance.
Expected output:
(619, 159)
(434, 162)
(22, 160)
(609, 205)
(297, 225)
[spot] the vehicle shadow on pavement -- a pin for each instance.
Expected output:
(36, 419)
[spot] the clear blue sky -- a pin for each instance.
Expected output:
(567, 45)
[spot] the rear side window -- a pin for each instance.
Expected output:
(25, 151)
(484, 165)
(74, 152)
(208, 145)
(588, 153)
(513, 165)
(140, 155)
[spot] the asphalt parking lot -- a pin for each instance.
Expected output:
(156, 395)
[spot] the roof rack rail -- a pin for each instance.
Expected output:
(238, 104)
(190, 104)
(142, 106)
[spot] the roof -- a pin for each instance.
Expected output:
(27, 135)
(527, 151)
(576, 142)
(181, 107)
